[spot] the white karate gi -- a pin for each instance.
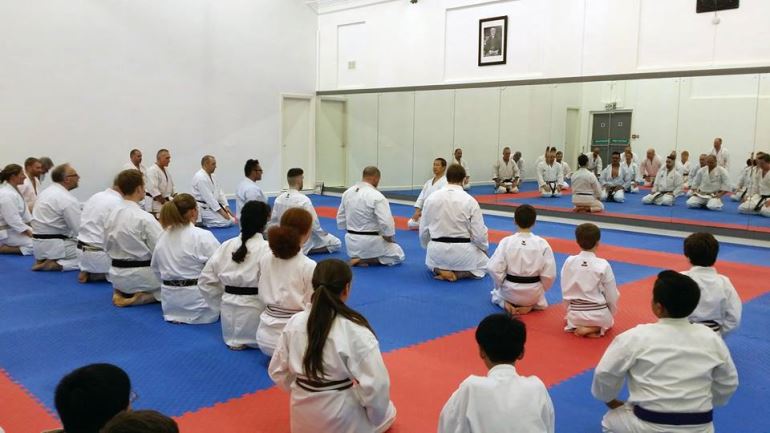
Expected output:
(159, 183)
(668, 186)
(452, 213)
(594, 164)
(586, 190)
(285, 286)
(14, 219)
(57, 212)
(710, 183)
(522, 255)
(466, 181)
(588, 288)
(634, 176)
(720, 306)
(181, 254)
(210, 198)
(364, 209)
(146, 204)
(549, 177)
(759, 196)
(723, 157)
(319, 238)
(239, 312)
(351, 352)
(427, 189)
(690, 168)
(29, 190)
(247, 191)
(672, 366)
(566, 173)
(520, 166)
(131, 234)
(506, 173)
(743, 187)
(94, 259)
(622, 180)
(651, 167)
(488, 403)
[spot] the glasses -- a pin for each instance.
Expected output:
(133, 396)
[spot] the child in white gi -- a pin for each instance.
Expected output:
(719, 307)
(484, 404)
(329, 359)
(522, 267)
(588, 287)
(677, 371)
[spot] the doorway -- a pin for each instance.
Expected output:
(611, 132)
(297, 136)
(331, 159)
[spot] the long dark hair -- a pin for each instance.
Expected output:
(329, 280)
(254, 216)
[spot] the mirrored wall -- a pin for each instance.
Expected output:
(403, 132)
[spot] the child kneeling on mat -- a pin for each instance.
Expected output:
(588, 287)
(502, 401)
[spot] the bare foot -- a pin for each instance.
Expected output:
(38, 265)
(82, 277)
(237, 347)
(511, 309)
(445, 275)
(51, 265)
(358, 262)
(5, 249)
(523, 310)
(588, 331)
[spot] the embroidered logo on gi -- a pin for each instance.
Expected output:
(585, 264)
(524, 243)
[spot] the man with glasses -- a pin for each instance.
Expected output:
(248, 190)
(55, 223)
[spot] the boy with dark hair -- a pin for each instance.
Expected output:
(503, 401)
(523, 267)
(141, 421)
(719, 307)
(677, 371)
(90, 396)
(588, 287)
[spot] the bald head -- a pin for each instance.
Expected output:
(209, 164)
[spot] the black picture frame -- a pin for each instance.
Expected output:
(703, 6)
(493, 41)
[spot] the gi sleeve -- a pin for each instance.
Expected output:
(548, 273)
(210, 285)
(279, 364)
(547, 414)
(725, 377)
(732, 308)
(205, 192)
(152, 231)
(497, 266)
(71, 214)
(153, 182)
(384, 217)
(207, 246)
(610, 289)
(540, 170)
(421, 198)
(341, 222)
(424, 224)
(612, 368)
(368, 369)
(479, 232)
(453, 417)
(11, 216)
(678, 184)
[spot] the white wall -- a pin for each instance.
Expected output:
(435, 41)
(87, 80)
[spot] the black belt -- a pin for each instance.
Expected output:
(449, 240)
(180, 283)
(86, 247)
(355, 232)
(318, 386)
(761, 202)
(673, 418)
(522, 280)
(118, 263)
(715, 326)
(661, 194)
(280, 312)
(148, 194)
(62, 237)
(235, 290)
(582, 305)
(585, 193)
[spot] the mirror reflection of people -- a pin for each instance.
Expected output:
(566, 171)
(632, 169)
(505, 174)
(759, 197)
(458, 159)
(595, 162)
(585, 188)
(549, 176)
(650, 166)
(714, 183)
(721, 154)
(668, 185)
(614, 179)
(433, 184)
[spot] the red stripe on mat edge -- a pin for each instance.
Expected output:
(20, 411)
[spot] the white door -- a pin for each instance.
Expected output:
(297, 137)
(331, 162)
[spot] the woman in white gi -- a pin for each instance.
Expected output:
(759, 199)
(286, 277)
(329, 359)
(433, 184)
(130, 236)
(178, 260)
(15, 232)
(232, 274)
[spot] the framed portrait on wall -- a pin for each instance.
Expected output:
(493, 41)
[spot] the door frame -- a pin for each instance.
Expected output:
(344, 133)
(310, 170)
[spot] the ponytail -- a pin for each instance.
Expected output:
(173, 214)
(254, 216)
(329, 281)
(9, 171)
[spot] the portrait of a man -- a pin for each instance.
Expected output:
(493, 41)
